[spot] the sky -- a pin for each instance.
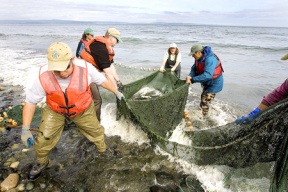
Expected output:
(270, 13)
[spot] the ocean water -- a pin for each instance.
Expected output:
(250, 57)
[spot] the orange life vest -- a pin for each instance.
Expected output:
(86, 53)
(217, 72)
(77, 97)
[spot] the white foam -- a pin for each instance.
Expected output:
(210, 177)
(124, 128)
(18, 67)
(179, 136)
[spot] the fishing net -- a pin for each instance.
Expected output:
(279, 182)
(242, 145)
(155, 102)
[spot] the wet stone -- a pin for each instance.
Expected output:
(10, 95)
(30, 185)
(76, 164)
(10, 182)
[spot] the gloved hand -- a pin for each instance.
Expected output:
(173, 69)
(27, 137)
(162, 69)
(189, 79)
(120, 95)
(249, 118)
(120, 86)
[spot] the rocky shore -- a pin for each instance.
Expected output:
(75, 164)
(10, 95)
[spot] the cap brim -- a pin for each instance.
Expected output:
(190, 54)
(58, 66)
(119, 39)
(285, 57)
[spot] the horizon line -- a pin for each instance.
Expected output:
(43, 21)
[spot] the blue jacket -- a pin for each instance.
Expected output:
(209, 85)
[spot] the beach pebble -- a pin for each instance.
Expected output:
(2, 88)
(29, 186)
(42, 185)
(14, 165)
(9, 161)
(25, 150)
(10, 182)
(20, 187)
(15, 146)
(2, 130)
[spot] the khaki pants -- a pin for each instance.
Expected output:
(97, 99)
(205, 103)
(52, 125)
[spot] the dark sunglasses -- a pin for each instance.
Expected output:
(116, 39)
(70, 63)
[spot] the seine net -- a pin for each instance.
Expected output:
(156, 102)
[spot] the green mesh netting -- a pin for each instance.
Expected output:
(155, 102)
(280, 179)
(264, 140)
(243, 145)
(236, 145)
(16, 114)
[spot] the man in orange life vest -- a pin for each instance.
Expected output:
(99, 52)
(206, 70)
(65, 83)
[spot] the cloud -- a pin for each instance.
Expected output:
(221, 12)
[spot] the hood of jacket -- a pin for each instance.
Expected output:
(207, 52)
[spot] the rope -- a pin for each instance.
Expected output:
(136, 68)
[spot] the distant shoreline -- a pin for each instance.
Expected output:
(44, 22)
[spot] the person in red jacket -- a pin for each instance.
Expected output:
(206, 70)
(273, 97)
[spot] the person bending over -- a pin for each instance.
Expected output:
(64, 81)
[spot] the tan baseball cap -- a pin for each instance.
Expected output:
(59, 55)
(285, 57)
(115, 33)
